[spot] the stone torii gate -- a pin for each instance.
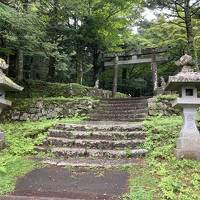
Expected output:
(149, 55)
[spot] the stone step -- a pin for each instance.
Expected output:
(94, 144)
(123, 101)
(110, 135)
(82, 152)
(118, 115)
(103, 126)
(124, 105)
(122, 111)
(117, 119)
(127, 99)
(93, 163)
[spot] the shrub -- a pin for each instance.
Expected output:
(35, 89)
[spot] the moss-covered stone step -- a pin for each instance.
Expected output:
(124, 105)
(118, 115)
(109, 126)
(122, 101)
(125, 119)
(96, 153)
(119, 109)
(94, 144)
(122, 111)
(110, 135)
(128, 98)
(93, 163)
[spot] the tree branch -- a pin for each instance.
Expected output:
(175, 16)
(177, 11)
(194, 12)
(194, 4)
(176, 23)
(179, 4)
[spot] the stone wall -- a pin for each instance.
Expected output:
(162, 105)
(47, 108)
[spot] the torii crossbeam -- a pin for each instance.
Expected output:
(149, 55)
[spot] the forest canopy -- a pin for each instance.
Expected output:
(65, 41)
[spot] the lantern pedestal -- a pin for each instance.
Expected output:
(188, 144)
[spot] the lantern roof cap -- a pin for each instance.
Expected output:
(187, 76)
(6, 83)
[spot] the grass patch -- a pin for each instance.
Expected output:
(21, 138)
(142, 185)
(12, 167)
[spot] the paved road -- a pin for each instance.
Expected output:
(56, 183)
(10, 197)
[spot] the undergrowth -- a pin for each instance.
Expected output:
(164, 177)
(21, 138)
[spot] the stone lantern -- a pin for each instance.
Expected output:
(187, 83)
(6, 84)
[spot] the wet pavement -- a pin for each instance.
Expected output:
(54, 183)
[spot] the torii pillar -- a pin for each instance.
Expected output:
(115, 76)
(154, 71)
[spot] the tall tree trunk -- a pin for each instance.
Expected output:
(53, 38)
(154, 71)
(189, 31)
(51, 72)
(96, 68)
(79, 72)
(115, 77)
(25, 5)
(20, 65)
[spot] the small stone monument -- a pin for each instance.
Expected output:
(6, 84)
(187, 83)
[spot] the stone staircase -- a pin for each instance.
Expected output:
(100, 143)
(131, 109)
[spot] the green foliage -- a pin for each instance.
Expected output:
(35, 89)
(161, 131)
(142, 185)
(69, 35)
(21, 139)
(41, 89)
(21, 30)
(24, 104)
(12, 167)
(175, 177)
(140, 194)
(169, 97)
(163, 176)
(128, 152)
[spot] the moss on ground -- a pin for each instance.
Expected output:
(163, 176)
(142, 185)
(21, 139)
(38, 89)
